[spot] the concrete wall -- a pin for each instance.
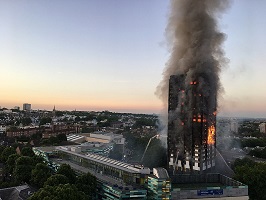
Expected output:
(225, 198)
(233, 193)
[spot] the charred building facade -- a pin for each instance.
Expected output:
(191, 124)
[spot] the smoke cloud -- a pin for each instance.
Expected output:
(195, 45)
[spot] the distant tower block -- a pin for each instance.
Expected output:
(191, 127)
(26, 106)
(234, 125)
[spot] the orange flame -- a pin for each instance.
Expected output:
(211, 134)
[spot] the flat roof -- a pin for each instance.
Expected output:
(107, 179)
(46, 149)
(105, 161)
(74, 137)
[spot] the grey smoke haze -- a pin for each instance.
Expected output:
(195, 45)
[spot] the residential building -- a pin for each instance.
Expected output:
(2, 129)
(26, 131)
(234, 125)
(262, 127)
(26, 106)
(191, 126)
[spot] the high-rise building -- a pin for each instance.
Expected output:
(191, 126)
(234, 125)
(262, 127)
(27, 106)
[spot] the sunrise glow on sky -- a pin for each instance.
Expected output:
(109, 55)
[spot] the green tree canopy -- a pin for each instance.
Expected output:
(87, 184)
(7, 152)
(145, 122)
(67, 171)
(27, 151)
(255, 178)
(259, 153)
(60, 192)
(2, 148)
(59, 113)
(56, 179)
(26, 121)
(245, 161)
(61, 137)
(37, 159)
(11, 163)
(40, 174)
(45, 120)
(22, 171)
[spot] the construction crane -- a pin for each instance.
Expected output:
(155, 136)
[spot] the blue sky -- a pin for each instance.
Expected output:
(99, 54)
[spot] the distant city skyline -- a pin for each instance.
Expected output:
(109, 55)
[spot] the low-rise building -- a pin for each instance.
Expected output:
(159, 184)
(28, 131)
(115, 180)
(118, 180)
(2, 129)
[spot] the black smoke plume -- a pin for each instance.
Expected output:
(195, 45)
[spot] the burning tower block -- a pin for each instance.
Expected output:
(191, 124)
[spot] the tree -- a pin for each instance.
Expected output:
(67, 171)
(255, 178)
(2, 148)
(61, 137)
(77, 119)
(26, 121)
(45, 120)
(60, 192)
(13, 128)
(22, 171)
(11, 163)
(37, 159)
(259, 153)
(27, 151)
(22, 138)
(36, 136)
(245, 161)
(59, 113)
(53, 140)
(56, 179)
(7, 152)
(40, 174)
(87, 184)
(144, 122)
